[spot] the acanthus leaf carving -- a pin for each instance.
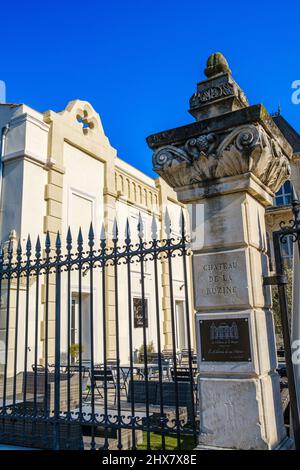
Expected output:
(205, 167)
(244, 149)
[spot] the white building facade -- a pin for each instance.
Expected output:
(59, 171)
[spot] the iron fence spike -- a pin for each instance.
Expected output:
(167, 220)
(38, 246)
(102, 232)
(154, 228)
(69, 235)
(115, 230)
(127, 230)
(91, 232)
(28, 245)
(182, 223)
(140, 227)
(80, 238)
(47, 242)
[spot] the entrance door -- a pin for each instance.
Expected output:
(181, 330)
(85, 324)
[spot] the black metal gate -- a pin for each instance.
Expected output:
(92, 389)
(280, 237)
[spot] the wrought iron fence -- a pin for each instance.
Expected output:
(71, 377)
(288, 232)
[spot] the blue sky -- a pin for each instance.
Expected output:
(138, 61)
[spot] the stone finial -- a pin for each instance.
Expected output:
(229, 139)
(218, 93)
(216, 63)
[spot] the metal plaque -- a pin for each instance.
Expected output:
(225, 340)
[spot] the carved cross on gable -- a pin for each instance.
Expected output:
(85, 122)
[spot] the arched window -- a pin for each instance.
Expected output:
(283, 196)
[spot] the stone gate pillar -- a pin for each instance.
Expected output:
(227, 166)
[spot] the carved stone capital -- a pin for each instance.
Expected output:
(244, 149)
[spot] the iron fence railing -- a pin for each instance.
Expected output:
(65, 313)
(288, 231)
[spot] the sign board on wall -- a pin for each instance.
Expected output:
(225, 340)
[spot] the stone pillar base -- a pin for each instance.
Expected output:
(241, 413)
(286, 444)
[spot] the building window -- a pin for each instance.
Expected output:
(287, 252)
(283, 196)
(138, 314)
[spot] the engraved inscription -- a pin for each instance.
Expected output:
(222, 280)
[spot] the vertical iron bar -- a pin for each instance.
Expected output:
(187, 312)
(294, 320)
(18, 275)
(69, 340)
(28, 264)
(103, 256)
(142, 254)
(287, 339)
(160, 371)
(128, 262)
(47, 261)
(37, 262)
(117, 339)
(169, 256)
(57, 345)
(46, 387)
(69, 306)
(9, 267)
(80, 256)
(91, 268)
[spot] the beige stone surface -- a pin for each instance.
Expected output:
(54, 208)
(240, 414)
(53, 192)
(228, 169)
(222, 280)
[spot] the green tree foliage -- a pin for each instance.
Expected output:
(150, 349)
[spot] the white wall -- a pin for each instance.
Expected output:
(23, 209)
(83, 204)
(123, 211)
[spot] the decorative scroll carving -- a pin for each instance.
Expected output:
(235, 150)
(169, 156)
(245, 149)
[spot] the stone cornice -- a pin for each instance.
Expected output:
(247, 183)
(18, 120)
(24, 155)
(249, 115)
(254, 147)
